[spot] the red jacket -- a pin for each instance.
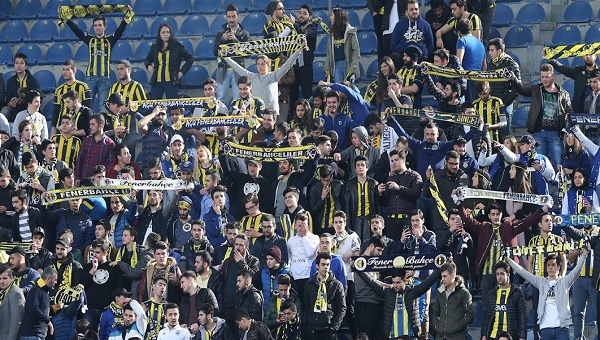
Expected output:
(483, 230)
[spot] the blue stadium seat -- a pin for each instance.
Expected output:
(295, 4)
(47, 81)
(7, 76)
(254, 22)
(569, 86)
(206, 7)
(318, 71)
(187, 44)
(252, 67)
(361, 72)
(13, 31)
(372, 70)
(118, 2)
(563, 61)
(323, 15)
(177, 7)
(87, 2)
(577, 61)
(43, 30)
(519, 119)
(112, 77)
(260, 5)
(28, 9)
(67, 34)
(353, 18)
(503, 16)
(567, 34)
(79, 75)
(82, 53)
(142, 50)
(217, 24)
(194, 78)
(494, 33)
(531, 13)
(137, 29)
(147, 7)
(58, 53)
(33, 53)
(367, 42)
(48, 110)
(366, 23)
(578, 11)
(6, 54)
(321, 50)
(518, 36)
(593, 34)
(153, 31)
(244, 5)
(515, 58)
(354, 3)
(6, 9)
(140, 75)
(122, 50)
(195, 25)
(204, 50)
(51, 8)
(111, 26)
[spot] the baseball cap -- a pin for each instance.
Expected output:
(116, 98)
(175, 138)
(17, 250)
(187, 166)
(121, 292)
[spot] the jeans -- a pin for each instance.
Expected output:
(368, 320)
(550, 145)
(164, 87)
(488, 282)
(486, 23)
(582, 288)
(98, 86)
(558, 333)
(508, 112)
(340, 71)
(229, 80)
(349, 317)
(362, 228)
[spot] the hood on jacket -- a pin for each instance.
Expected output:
(459, 283)
(362, 135)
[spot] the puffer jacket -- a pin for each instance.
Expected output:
(251, 299)
(535, 92)
(202, 296)
(26, 279)
(515, 309)
(351, 53)
(453, 314)
(269, 281)
(257, 330)
(125, 218)
(221, 332)
(502, 89)
(411, 298)
(332, 319)
(78, 222)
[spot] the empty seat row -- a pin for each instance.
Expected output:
(522, 35)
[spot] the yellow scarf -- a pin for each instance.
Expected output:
(134, 255)
(65, 282)
(498, 59)
(5, 291)
(339, 239)
(156, 318)
(321, 301)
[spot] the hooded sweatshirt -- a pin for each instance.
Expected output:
(221, 331)
(416, 33)
(370, 152)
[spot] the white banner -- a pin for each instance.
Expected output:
(159, 184)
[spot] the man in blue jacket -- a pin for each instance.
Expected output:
(36, 318)
(337, 266)
(335, 120)
(25, 277)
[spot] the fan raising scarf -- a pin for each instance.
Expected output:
(134, 255)
(463, 119)
(263, 46)
(465, 193)
(447, 72)
(575, 50)
(5, 291)
(435, 193)
(321, 301)
(270, 154)
(66, 13)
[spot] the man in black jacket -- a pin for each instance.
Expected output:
(505, 309)
(303, 68)
(402, 295)
(231, 32)
(188, 316)
(14, 83)
(324, 304)
(248, 328)
(207, 277)
(152, 218)
(36, 318)
(361, 196)
(7, 186)
(248, 297)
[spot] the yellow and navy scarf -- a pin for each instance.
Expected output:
(5, 291)
(134, 255)
(65, 281)
(321, 301)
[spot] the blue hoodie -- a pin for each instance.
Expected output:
(417, 33)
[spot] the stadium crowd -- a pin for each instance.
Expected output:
(256, 249)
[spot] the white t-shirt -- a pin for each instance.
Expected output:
(550, 318)
(349, 244)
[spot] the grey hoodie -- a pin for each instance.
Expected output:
(202, 330)
(561, 290)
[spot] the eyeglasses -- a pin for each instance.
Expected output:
(280, 9)
(453, 164)
(251, 207)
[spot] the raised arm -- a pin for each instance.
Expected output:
(237, 68)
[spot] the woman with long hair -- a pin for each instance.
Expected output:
(580, 198)
(164, 63)
(498, 166)
(480, 180)
(203, 163)
(378, 89)
(574, 156)
(343, 53)
(515, 211)
(301, 115)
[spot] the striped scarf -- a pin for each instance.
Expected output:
(321, 301)
(5, 291)
(134, 255)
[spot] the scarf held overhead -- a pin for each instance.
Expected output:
(66, 13)
(577, 220)
(151, 184)
(447, 72)
(549, 248)
(263, 46)
(470, 120)
(247, 122)
(385, 262)
(62, 195)
(466, 193)
(188, 104)
(270, 154)
(575, 50)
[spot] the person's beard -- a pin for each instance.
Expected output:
(184, 216)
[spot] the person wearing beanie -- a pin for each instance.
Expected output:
(266, 278)
(410, 73)
(179, 227)
(360, 147)
(412, 30)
